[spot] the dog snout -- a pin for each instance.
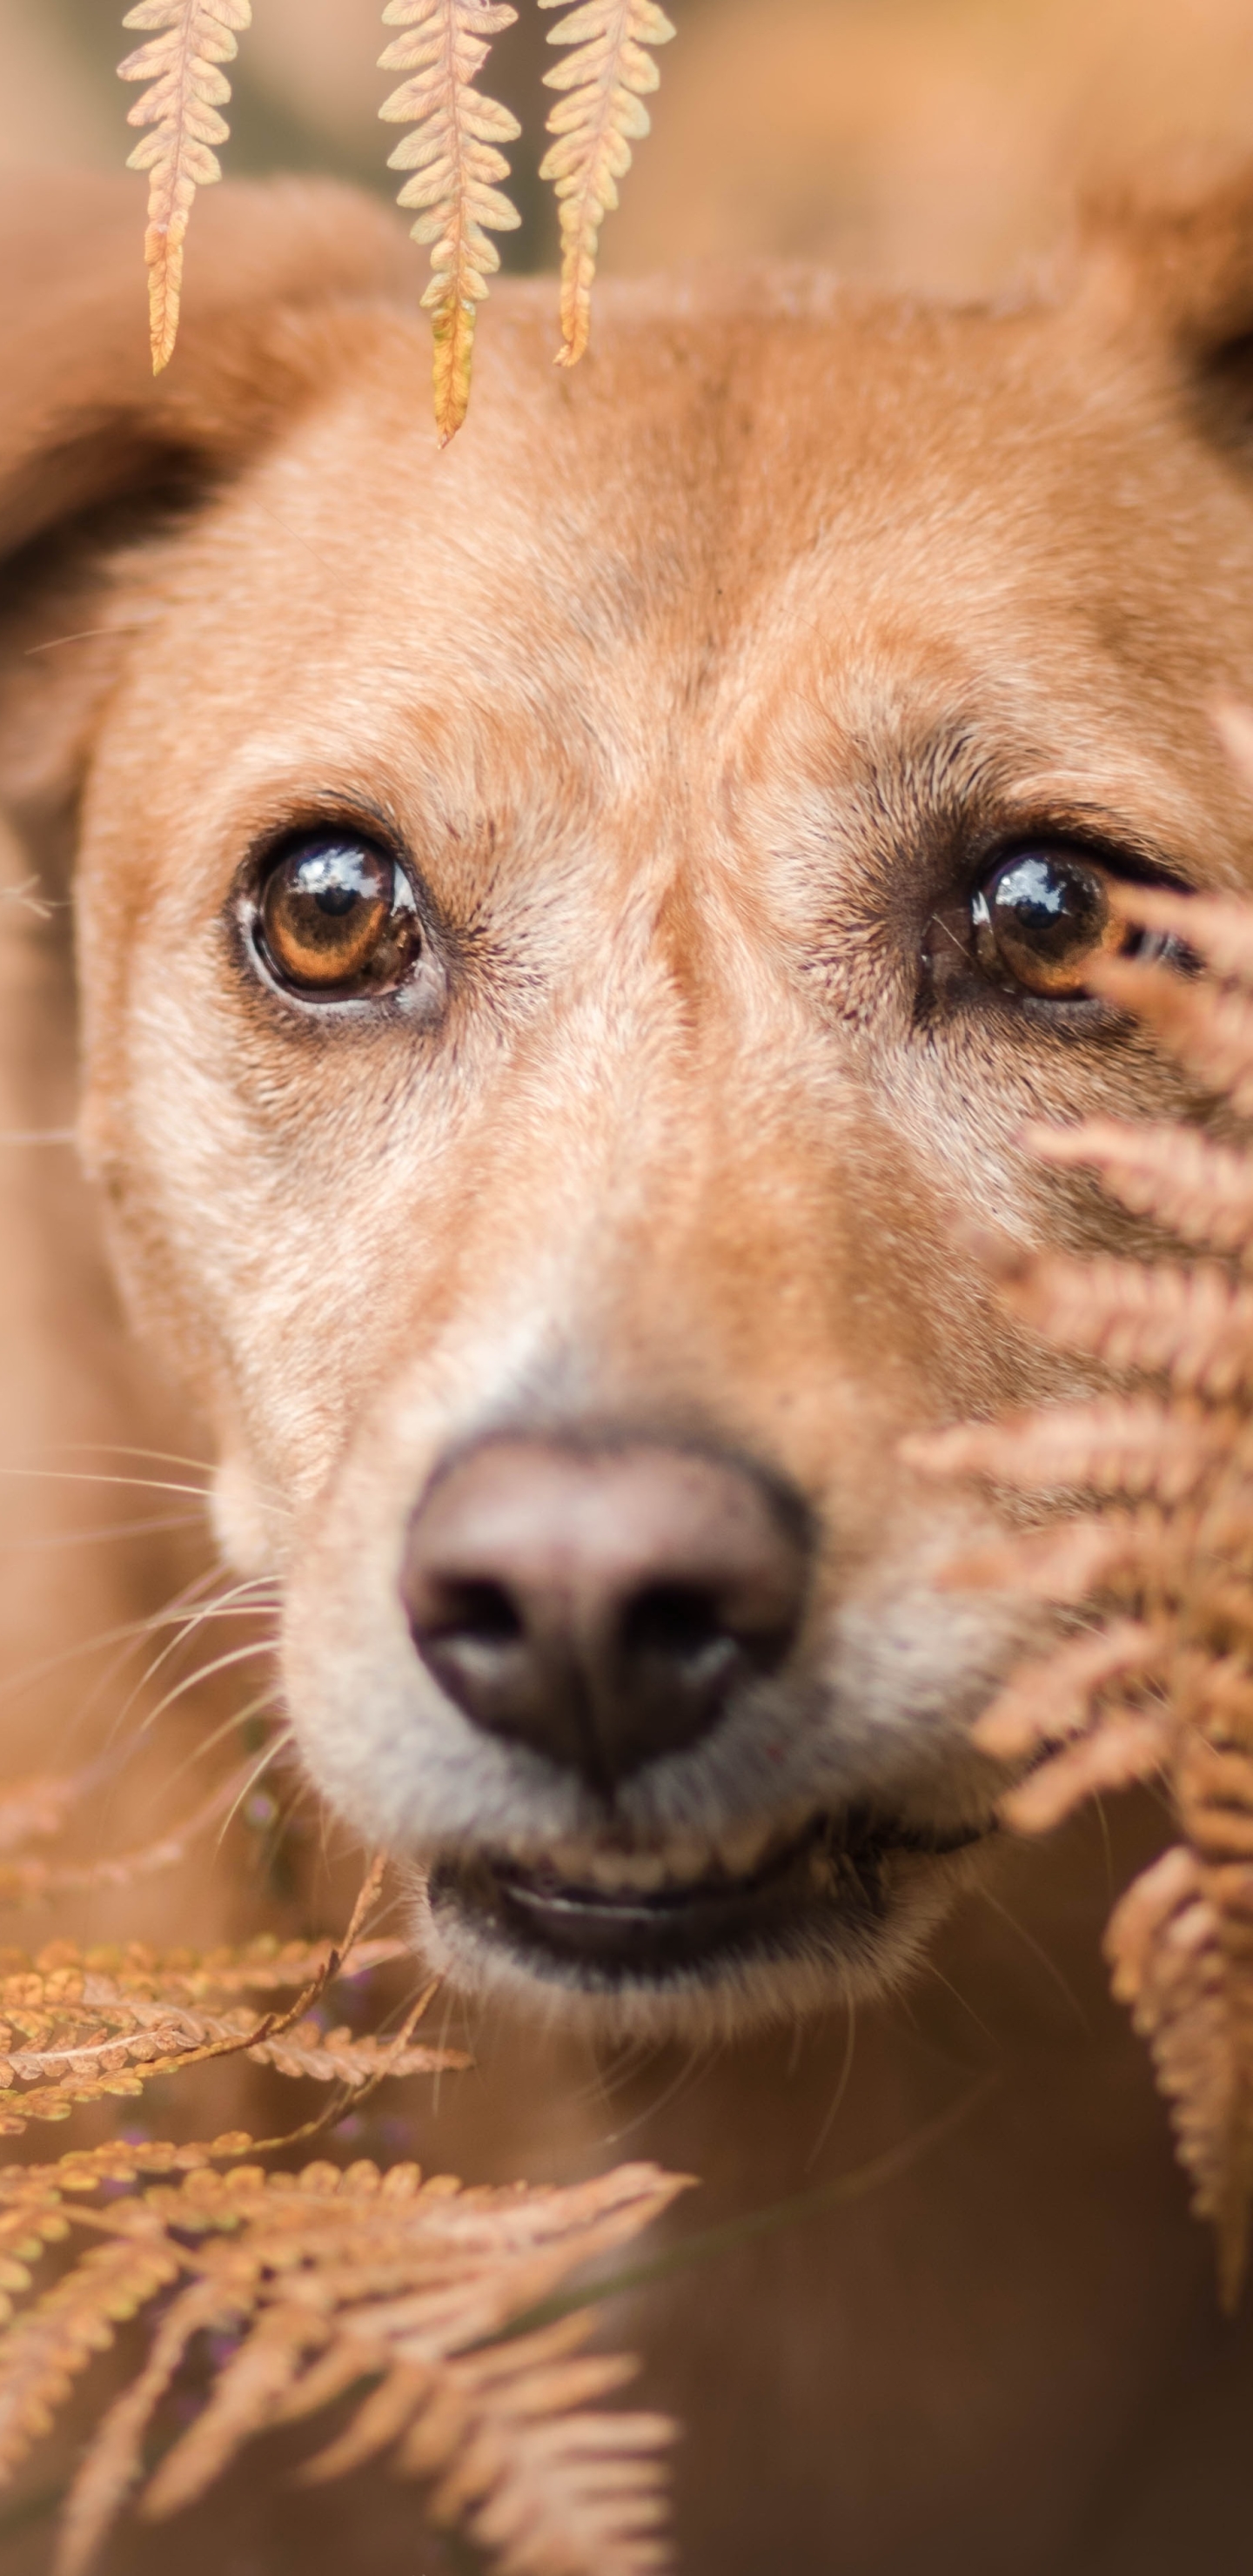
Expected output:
(602, 1605)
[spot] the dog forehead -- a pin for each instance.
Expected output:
(710, 471)
(738, 526)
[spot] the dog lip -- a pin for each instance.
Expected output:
(831, 1869)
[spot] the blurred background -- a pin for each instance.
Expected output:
(932, 142)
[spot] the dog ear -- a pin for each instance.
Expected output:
(1176, 266)
(91, 442)
(81, 416)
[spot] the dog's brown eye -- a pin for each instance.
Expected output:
(1043, 919)
(337, 916)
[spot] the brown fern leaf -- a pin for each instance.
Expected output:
(77, 2027)
(1208, 1029)
(455, 157)
(329, 2279)
(1053, 1696)
(34, 1810)
(1165, 1685)
(1193, 2002)
(1066, 1563)
(1197, 1190)
(47, 2346)
(606, 81)
(1191, 1325)
(181, 62)
(1122, 1745)
(37, 1809)
(1112, 1446)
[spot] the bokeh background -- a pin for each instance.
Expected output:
(930, 142)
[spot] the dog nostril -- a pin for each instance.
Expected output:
(602, 1605)
(674, 1620)
(481, 1613)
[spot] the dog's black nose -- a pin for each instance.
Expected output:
(601, 1604)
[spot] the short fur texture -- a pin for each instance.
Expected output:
(699, 689)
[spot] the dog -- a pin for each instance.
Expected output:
(569, 932)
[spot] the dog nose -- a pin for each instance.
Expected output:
(602, 1604)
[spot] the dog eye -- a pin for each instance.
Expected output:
(337, 916)
(1043, 918)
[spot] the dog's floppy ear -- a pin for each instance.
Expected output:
(1176, 265)
(81, 416)
(274, 273)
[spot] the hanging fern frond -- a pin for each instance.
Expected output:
(1161, 1687)
(455, 157)
(606, 81)
(181, 62)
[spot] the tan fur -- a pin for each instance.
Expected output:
(688, 683)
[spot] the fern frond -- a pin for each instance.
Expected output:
(1193, 2002)
(320, 2281)
(1124, 1745)
(1200, 1191)
(181, 63)
(33, 1810)
(327, 2279)
(1111, 1446)
(76, 2027)
(457, 164)
(606, 81)
(1191, 1325)
(1066, 1563)
(1208, 1029)
(1053, 1696)
(1177, 1576)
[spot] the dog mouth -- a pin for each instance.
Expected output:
(610, 1919)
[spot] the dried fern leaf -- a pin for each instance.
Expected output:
(1181, 1942)
(1191, 1325)
(44, 2349)
(114, 2464)
(457, 165)
(34, 1810)
(1197, 1190)
(601, 115)
(1214, 927)
(1208, 1030)
(1113, 1445)
(77, 2027)
(1053, 1696)
(329, 2278)
(1067, 1563)
(1123, 1746)
(1194, 2005)
(37, 1809)
(181, 64)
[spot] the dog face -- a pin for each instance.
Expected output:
(571, 930)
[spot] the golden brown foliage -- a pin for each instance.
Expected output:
(333, 2283)
(605, 82)
(1157, 1683)
(455, 158)
(181, 62)
(396, 2297)
(453, 154)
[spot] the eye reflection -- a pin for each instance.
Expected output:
(336, 917)
(1042, 919)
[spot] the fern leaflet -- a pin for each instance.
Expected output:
(606, 80)
(455, 157)
(181, 63)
